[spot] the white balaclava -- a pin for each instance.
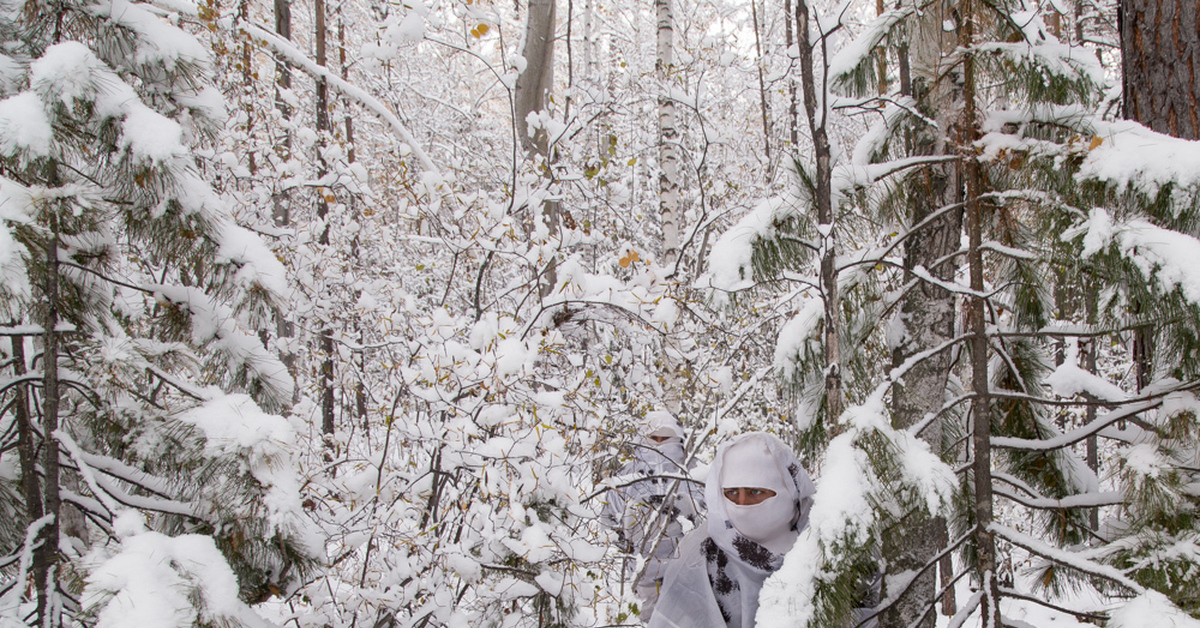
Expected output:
(771, 523)
(661, 423)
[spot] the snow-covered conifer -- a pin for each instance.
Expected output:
(137, 392)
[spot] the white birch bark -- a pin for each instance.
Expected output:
(668, 137)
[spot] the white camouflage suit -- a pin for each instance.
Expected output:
(716, 581)
(720, 571)
(652, 504)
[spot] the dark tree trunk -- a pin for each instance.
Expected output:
(533, 85)
(981, 424)
(1160, 52)
(283, 82)
(1160, 48)
(793, 119)
(328, 423)
(45, 558)
(26, 446)
(762, 91)
(281, 199)
(823, 200)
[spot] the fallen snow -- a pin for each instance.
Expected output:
(1151, 610)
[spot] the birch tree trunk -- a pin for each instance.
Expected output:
(668, 136)
(927, 312)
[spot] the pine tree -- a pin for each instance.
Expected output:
(1025, 150)
(138, 392)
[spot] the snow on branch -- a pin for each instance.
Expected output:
(1069, 380)
(235, 427)
(1076, 435)
(730, 261)
(1057, 59)
(1132, 155)
(214, 326)
(1086, 500)
(1063, 557)
(1162, 255)
(86, 471)
(297, 58)
(949, 286)
(854, 53)
(795, 335)
(153, 504)
(151, 579)
(12, 598)
(124, 472)
(844, 511)
(96, 511)
(156, 40)
(852, 176)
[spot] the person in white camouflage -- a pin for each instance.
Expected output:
(653, 504)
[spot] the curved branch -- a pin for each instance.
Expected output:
(299, 60)
(1067, 559)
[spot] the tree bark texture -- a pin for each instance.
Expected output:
(981, 424)
(283, 82)
(793, 115)
(824, 206)
(534, 83)
(248, 79)
(281, 199)
(328, 396)
(927, 312)
(1160, 52)
(762, 91)
(668, 136)
(1160, 55)
(1091, 447)
(45, 557)
(26, 446)
(531, 94)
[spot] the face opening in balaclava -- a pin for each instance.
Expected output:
(770, 523)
